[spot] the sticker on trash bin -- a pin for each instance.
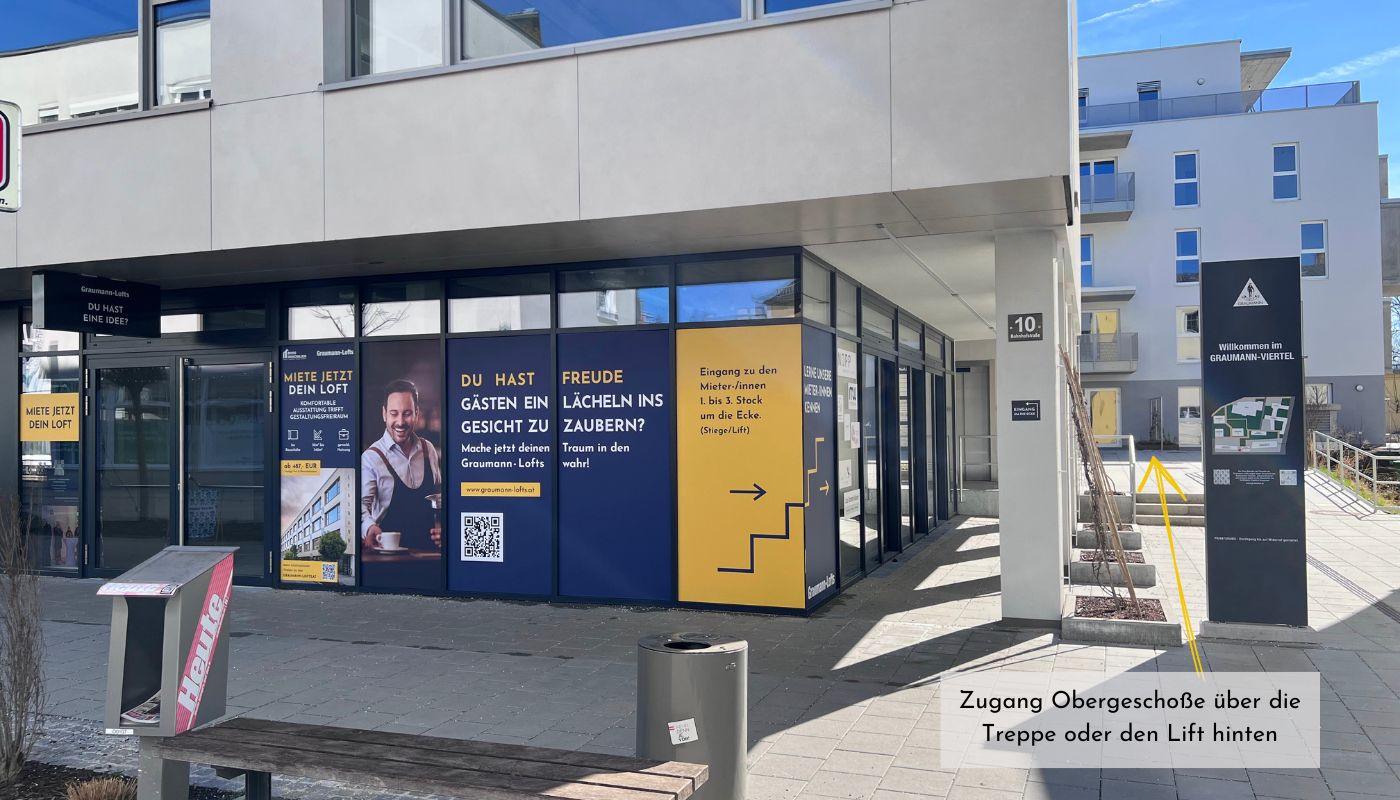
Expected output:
(683, 731)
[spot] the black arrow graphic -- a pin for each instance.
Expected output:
(757, 491)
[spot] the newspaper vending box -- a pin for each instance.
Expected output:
(167, 667)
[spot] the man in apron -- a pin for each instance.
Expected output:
(399, 474)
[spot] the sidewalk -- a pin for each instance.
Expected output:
(843, 704)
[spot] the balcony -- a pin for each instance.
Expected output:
(1101, 353)
(1282, 98)
(1106, 198)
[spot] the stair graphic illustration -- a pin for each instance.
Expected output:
(787, 516)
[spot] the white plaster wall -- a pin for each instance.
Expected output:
(1113, 77)
(265, 48)
(1239, 219)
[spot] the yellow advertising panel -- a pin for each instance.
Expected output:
(303, 466)
(310, 571)
(740, 480)
(500, 489)
(48, 417)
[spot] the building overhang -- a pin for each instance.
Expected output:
(1258, 68)
(1104, 294)
(1104, 140)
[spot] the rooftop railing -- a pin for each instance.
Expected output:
(1282, 98)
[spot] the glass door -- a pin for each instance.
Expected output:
(227, 405)
(133, 416)
(182, 457)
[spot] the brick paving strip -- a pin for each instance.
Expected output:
(844, 704)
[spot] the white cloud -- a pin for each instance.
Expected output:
(1347, 69)
(1121, 12)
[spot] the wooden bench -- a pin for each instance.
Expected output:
(260, 749)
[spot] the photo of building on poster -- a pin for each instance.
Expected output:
(318, 455)
(401, 479)
(318, 527)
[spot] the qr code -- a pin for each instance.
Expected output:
(483, 537)
(328, 571)
(1222, 477)
(1288, 477)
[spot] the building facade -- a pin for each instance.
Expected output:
(657, 303)
(1190, 154)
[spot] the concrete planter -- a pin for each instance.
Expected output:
(1123, 503)
(1121, 631)
(1081, 573)
(1087, 539)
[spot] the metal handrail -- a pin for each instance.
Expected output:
(1333, 452)
(1278, 98)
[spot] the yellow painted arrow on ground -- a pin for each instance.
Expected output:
(1156, 470)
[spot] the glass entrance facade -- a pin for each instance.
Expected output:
(543, 432)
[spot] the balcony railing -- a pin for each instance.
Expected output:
(1105, 198)
(1281, 98)
(1108, 352)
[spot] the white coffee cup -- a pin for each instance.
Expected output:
(389, 540)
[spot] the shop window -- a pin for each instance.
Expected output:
(182, 60)
(50, 475)
(877, 319)
(402, 309)
(816, 292)
(498, 303)
(910, 336)
(500, 27)
(846, 305)
(392, 35)
(37, 340)
(747, 289)
(1314, 252)
(614, 296)
(320, 312)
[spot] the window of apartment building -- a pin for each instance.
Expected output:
(182, 60)
(1187, 185)
(1314, 250)
(1188, 333)
(392, 35)
(1317, 394)
(501, 27)
(1285, 172)
(498, 303)
(1083, 98)
(404, 308)
(1086, 260)
(743, 289)
(1188, 256)
(1149, 91)
(816, 292)
(615, 296)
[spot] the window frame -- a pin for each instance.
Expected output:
(1182, 313)
(1296, 172)
(1322, 251)
(1177, 180)
(1089, 265)
(1176, 250)
(149, 93)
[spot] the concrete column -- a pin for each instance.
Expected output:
(1030, 454)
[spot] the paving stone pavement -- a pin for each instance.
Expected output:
(843, 704)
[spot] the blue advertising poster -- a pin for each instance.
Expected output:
(1252, 378)
(819, 454)
(318, 456)
(615, 482)
(500, 465)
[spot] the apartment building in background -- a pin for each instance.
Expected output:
(1191, 154)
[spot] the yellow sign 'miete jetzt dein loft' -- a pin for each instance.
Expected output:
(740, 466)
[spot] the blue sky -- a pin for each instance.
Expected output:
(1332, 40)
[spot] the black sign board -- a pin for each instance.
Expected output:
(1252, 378)
(1025, 410)
(67, 302)
(1025, 327)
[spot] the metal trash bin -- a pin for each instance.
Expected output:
(167, 665)
(692, 706)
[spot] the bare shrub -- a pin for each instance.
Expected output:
(21, 644)
(102, 789)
